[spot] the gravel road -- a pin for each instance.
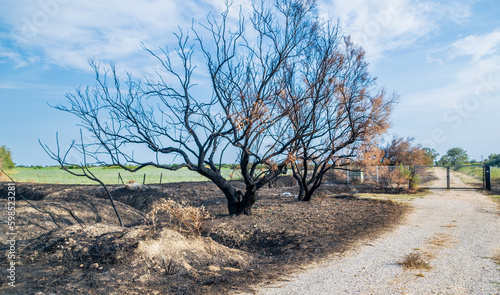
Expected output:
(456, 231)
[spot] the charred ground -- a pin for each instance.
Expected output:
(233, 252)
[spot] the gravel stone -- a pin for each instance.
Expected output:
(458, 231)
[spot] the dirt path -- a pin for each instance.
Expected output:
(456, 231)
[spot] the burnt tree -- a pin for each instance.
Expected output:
(334, 106)
(248, 79)
(164, 115)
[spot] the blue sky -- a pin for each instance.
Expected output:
(441, 57)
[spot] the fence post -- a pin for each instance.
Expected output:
(484, 176)
(377, 174)
(144, 179)
(487, 176)
(448, 177)
(120, 178)
(161, 176)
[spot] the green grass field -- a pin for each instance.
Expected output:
(110, 176)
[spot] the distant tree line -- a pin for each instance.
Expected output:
(454, 156)
(493, 160)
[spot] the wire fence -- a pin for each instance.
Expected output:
(379, 176)
(388, 178)
(55, 175)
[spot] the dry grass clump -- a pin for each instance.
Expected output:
(179, 216)
(414, 260)
(440, 240)
(496, 258)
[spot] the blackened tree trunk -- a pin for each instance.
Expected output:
(308, 183)
(249, 198)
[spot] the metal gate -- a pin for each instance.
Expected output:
(453, 177)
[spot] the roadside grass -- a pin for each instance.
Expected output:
(496, 258)
(414, 260)
(495, 198)
(55, 175)
(394, 197)
(441, 240)
(419, 258)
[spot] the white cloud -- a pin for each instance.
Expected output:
(455, 110)
(12, 57)
(7, 86)
(479, 80)
(384, 25)
(477, 46)
(67, 33)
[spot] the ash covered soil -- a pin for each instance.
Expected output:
(87, 252)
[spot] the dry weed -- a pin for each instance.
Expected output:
(179, 216)
(449, 225)
(440, 240)
(414, 260)
(496, 258)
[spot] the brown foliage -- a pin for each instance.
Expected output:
(370, 155)
(403, 151)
